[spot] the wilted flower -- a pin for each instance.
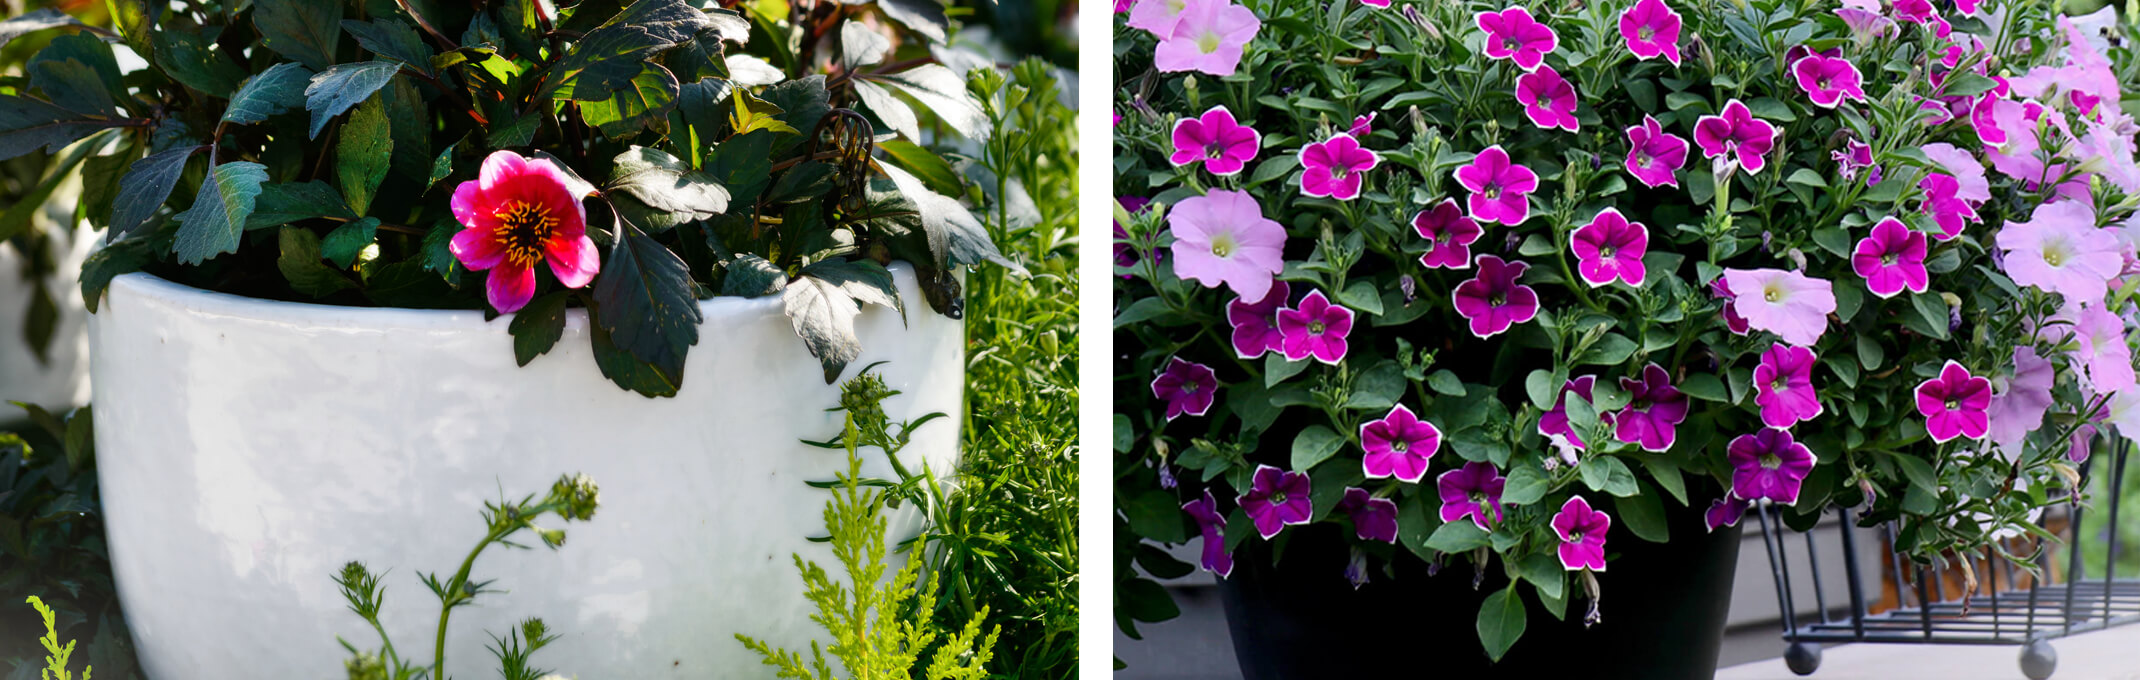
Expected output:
(1724, 512)
(1373, 519)
(1212, 526)
(518, 212)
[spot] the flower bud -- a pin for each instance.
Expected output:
(576, 497)
(555, 538)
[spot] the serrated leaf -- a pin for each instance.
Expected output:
(666, 183)
(965, 240)
(412, 126)
(349, 240)
(392, 38)
(192, 59)
(438, 255)
(752, 276)
(611, 55)
(337, 89)
(34, 21)
(280, 88)
(285, 202)
(537, 327)
(304, 30)
(864, 280)
(300, 264)
(643, 103)
(212, 226)
(646, 302)
(107, 263)
(751, 114)
(923, 16)
(28, 124)
(363, 152)
(72, 85)
(823, 315)
(944, 93)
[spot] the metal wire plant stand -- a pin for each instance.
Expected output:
(2029, 612)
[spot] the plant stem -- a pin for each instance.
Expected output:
(453, 599)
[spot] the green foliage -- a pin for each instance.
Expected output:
(52, 541)
(55, 655)
(879, 629)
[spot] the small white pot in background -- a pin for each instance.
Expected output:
(248, 448)
(61, 380)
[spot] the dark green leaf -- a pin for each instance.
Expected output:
(72, 85)
(28, 124)
(626, 371)
(643, 103)
(1525, 485)
(34, 21)
(412, 125)
(804, 182)
(304, 30)
(1457, 537)
(1644, 514)
(1545, 573)
(278, 89)
(537, 327)
(944, 93)
(346, 242)
(1314, 445)
(338, 89)
(609, 56)
(743, 164)
(211, 227)
(283, 203)
(923, 16)
(664, 182)
(1931, 315)
(362, 153)
(438, 255)
(121, 257)
(300, 264)
(1608, 474)
(932, 169)
(1501, 621)
(864, 280)
(647, 308)
(100, 183)
(752, 276)
(394, 39)
(192, 59)
(17, 218)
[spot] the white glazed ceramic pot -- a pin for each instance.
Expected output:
(248, 448)
(61, 379)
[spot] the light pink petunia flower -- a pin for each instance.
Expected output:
(1500, 190)
(1650, 29)
(1736, 131)
(1548, 99)
(1610, 248)
(1335, 167)
(1209, 37)
(1653, 155)
(1892, 259)
(1954, 404)
(1156, 17)
(1828, 80)
(517, 213)
(1223, 238)
(1215, 139)
(2018, 408)
(1449, 234)
(2060, 250)
(1964, 167)
(1791, 305)
(1513, 35)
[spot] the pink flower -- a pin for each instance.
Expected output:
(1554, 423)
(1449, 235)
(1209, 37)
(1212, 526)
(1222, 145)
(1783, 386)
(1954, 404)
(1399, 445)
(1223, 238)
(1768, 465)
(1866, 26)
(1892, 259)
(1316, 328)
(1275, 499)
(1915, 11)
(1942, 201)
(1650, 29)
(1725, 512)
(1582, 535)
(1512, 34)
(1156, 17)
(1335, 167)
(1791, 305)
(1732, 320)
(1967, 171)
(1653, 155)
(1255, 324)
(1493, 300)
(2124, 414)
(1376, 3)
(2019, 409)
(1548, 99)
(2060, 250)
(1856, 156)
(1736, 131)
(1471, 491)
(1610, 248)
(1828, 80)
(1499, 189)
(1186, 386)
(2103, 360)
(1362, 126)
(1653, 413)
(516, 213)
(1373, 519)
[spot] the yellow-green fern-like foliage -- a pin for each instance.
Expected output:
(55, 654)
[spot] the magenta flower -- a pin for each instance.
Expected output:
(1187, 387)
(1828, 80)
(1222, 237)
(1943, 202)
(1276, 498)
(1789, 304)
(2060, 250)
(1222, 145)
(1212, 526)
(1855, 156)
(1471, 491)
(1653, 413)
(1915, 11)
(1449, 234)
(1209, 37)
(1725, 512)
(1255, 324)
(1651, 29)
(1512, 34)
(1891, 259)
(1493, 300)
(1653, 155)
(1555, 422)
(1610, 248)
(1376, 3)
(2019, 409)
(1736, 131)
(1967, 171)
(517, 213)
(1373, 519)
(1398, 445)
(1954, 403)
(1548, 99)
(1316, 328)
(1768, 465)
(1335, 167)
(1125, 253)
(1732, 320)
(1582, 535)
(1362, 126)
(1783, 384)
(1499, 189)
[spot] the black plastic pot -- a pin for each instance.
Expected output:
(1663, 612)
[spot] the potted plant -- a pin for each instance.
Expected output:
(366, 260)
(1455, 321)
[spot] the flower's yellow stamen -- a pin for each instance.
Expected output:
(523, 228)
